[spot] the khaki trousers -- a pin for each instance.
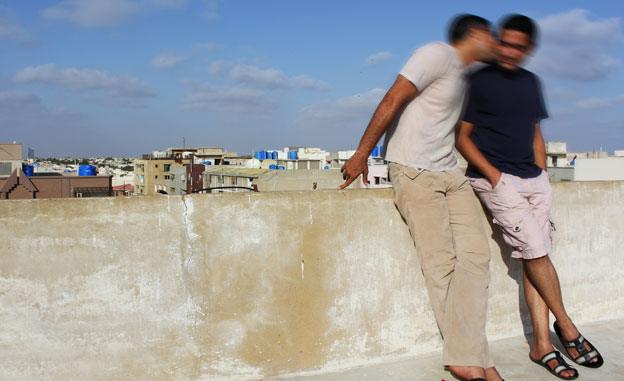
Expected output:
(444, 220)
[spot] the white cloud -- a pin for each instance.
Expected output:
(344, 119)
(211, 9)
(168, 4)
(575, 47)
(208, 46)
(17, 98)
(270, 78)
(84, 79)
(378, 57)
(167, 61)
(105, 13)
(308, 83)
(255, 76)
(600, 102)
(237, 99)
(349, 111)
(12, 31)
(92, 13)
(32, 121)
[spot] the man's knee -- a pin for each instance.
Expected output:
(539, 262)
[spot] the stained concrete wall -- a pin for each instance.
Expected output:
(254, 285)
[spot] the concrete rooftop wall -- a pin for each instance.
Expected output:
(252, 285)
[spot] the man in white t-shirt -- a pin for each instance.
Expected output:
(419, 114)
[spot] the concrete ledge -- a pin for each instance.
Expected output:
(256, 285)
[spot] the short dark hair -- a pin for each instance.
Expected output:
(522, 24)
(461, 25)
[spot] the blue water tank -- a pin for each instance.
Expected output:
(274, 155)
(375, 152)
(281, 167)
(273, 166)
(86, 170)
(28, 169)
(292, 155)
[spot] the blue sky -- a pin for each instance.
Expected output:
(124, 77)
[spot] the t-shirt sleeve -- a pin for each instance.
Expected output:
(471, 104)
(425, 65)
(542, 113)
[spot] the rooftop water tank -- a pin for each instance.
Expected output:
(86, 170)
(28, 169)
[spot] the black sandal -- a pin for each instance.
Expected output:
(584, 355)
(561, 366)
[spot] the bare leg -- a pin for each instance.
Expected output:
(541, 343)
(543, 276)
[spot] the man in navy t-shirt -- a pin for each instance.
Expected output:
(500, 136)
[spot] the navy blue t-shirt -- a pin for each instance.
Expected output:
(504, 107)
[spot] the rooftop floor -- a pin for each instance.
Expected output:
(510, 355)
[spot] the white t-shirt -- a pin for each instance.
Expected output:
(423, 135)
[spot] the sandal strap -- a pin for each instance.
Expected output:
(561, 364)
(560, 368)
(586, 357)
(576, 343)
(584, 354)
(549, 356)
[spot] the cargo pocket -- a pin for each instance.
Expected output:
(553, 229)
(514, 233)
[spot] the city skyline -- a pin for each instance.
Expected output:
(121, 78)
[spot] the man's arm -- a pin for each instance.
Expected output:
(401, 92)
(539, 148)
(473, 155)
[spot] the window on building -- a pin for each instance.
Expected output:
(167, 177)
(156, 166)
(156, 177)
(5, 169)
(167, 167)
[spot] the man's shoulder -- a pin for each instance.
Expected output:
(436, 50)
(482, 72)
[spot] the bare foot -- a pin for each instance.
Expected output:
(537, 354)
(570, 333)
(491, 374)
(466, 372)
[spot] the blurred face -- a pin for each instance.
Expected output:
(485, 44)
(513, 48)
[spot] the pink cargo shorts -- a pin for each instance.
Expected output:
(521, 207)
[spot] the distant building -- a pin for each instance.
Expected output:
(602, 169)
(53, 185)
(556, 154)
(186, 179)
(179, 170)
(151, 175)
(10, 158)
(123, 190)
(219, 179)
